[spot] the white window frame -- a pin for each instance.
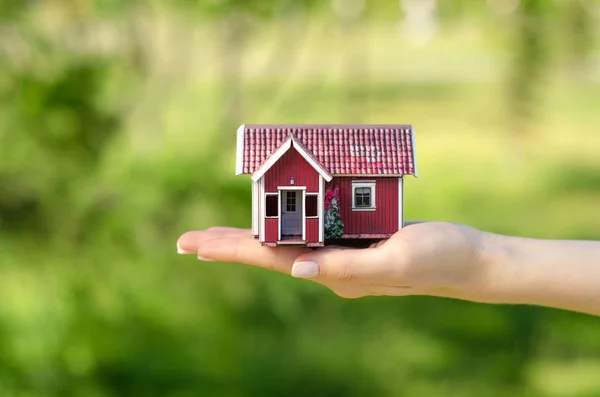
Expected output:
(278, 211)
(318, 215)
(358, 184)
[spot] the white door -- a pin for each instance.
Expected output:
(291, 213)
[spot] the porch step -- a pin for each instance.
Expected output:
(291, 242)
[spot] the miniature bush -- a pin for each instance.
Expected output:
(334, 227)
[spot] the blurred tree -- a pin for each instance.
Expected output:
(529, 64)
(353, 101)
(580, 34)
(57, 121)
(235, 18)
(11, 10)
(238, 20)
(53, 111)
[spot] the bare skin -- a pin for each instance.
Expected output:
(437, 259)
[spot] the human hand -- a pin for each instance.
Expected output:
(440, 259)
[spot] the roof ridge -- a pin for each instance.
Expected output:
(293, 125)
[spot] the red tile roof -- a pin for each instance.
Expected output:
(341, 149)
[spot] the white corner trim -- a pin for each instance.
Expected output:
(370, 184)
(320, 211)
(414, 149)
(255, 207)
(311, 161)
(304, 215)
(239, 155)
(279, 215)
(400, 203)
(272, 160)
(263, 210)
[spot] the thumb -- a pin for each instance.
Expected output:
(366, 265)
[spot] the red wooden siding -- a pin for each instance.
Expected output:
(271, 230)
(384, 220)
(292, 164)
(312, 230)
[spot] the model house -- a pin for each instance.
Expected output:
(313, 183)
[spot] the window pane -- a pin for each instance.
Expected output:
(311, 205)
(291, 201)
(271, 209)
(362, 197)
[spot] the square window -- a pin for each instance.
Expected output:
(271, 206)
(363, 195)
(312, 209)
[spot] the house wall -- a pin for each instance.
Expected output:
(312, 230)
(384, 220)
(292, 164)
(271, 230)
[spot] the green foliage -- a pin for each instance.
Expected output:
(56, 122)
(334, 227)
(248, 8)
(530, 59)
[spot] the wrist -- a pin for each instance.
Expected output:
(497, 274)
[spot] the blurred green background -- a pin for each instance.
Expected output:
(117, 131)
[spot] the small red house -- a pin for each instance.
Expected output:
(312, 183)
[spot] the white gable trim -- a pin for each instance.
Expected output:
(280, 152)
(326, 175)
(414, 149)
(239, 155)
(272, 160)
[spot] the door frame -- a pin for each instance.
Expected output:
(303, 192)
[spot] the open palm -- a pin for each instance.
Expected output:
(433, 258)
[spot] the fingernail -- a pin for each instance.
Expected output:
(182, 251)
(305, 269)
(205, 259)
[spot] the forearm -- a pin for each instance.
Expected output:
(561, 274)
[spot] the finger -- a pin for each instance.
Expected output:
(333, 246)
(364, 266)
(354, 291)
(410, 223)
(188, 243)
(247, 250)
